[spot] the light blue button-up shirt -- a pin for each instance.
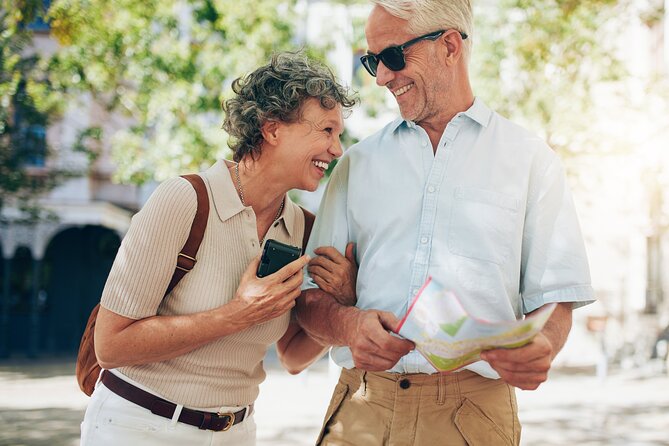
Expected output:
(489, 216)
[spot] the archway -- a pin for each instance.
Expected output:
(20, 306)
(75, 268)
(4, 307)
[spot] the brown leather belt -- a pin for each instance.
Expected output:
(215, 421)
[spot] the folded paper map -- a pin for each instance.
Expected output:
(449, 338)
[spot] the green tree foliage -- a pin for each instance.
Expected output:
(165, 65)
(27, 104)
(539, 61)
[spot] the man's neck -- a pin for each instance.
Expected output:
(435, 126)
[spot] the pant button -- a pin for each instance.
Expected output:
(405, 383)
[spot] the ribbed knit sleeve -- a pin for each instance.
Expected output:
(147, 257)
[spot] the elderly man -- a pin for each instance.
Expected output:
(454, 191)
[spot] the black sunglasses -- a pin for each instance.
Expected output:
(393, 56)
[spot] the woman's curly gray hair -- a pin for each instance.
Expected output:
(276, 92)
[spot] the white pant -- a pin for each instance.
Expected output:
(112, 420)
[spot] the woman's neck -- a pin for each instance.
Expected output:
(259, 187)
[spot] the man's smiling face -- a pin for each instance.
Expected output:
(420, 86)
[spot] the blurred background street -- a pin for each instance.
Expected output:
(41, 405)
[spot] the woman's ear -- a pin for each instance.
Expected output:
(270, 132)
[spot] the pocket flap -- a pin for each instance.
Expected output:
(476, 428)
(488, 197)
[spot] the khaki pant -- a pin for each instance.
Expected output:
(390, 409)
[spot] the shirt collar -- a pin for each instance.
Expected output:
(223, 191)
(227, 202)
(289, 215)
(478, 112)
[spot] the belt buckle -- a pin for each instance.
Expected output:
(231, 417)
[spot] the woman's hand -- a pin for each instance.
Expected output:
(335, 274)
(262, 299)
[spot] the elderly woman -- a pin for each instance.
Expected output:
(194, 357)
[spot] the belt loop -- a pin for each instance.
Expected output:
(441, 392)
(242, 416)
(456, 384)
(175, 416)
(206, 421)
(363, 383)
(95, 386)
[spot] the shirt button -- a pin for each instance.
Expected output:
(430, 189)
(405, 383)
(424, 144)
(424, 240)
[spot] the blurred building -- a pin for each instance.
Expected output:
(626, 221)
(52, 271)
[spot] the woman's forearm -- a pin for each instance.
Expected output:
(297, 350)
(120, 341)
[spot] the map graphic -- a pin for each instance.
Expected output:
(450, 339)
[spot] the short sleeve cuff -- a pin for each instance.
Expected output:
(308, 283)
(578, 295)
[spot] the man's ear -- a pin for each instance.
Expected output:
(270, 132)
(454, 46)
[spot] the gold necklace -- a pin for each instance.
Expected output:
(240, 190)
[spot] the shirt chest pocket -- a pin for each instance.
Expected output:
(483, 224)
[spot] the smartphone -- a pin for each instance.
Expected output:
(276, 255)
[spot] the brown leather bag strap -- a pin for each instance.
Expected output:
(88, 369)
(308, 224)
(186, 258)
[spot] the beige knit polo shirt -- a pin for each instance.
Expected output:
(226, 372)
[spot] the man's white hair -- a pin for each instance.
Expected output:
(424, 16)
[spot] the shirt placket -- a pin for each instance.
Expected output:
(413, 362)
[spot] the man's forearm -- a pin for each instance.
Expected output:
(323, 318)
(558, 326)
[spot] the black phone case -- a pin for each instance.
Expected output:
(276, 255)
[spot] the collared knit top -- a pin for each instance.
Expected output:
(228, 371)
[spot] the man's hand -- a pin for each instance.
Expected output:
(365, 332)
(372, 346)
(334, 273)
(525, 367)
